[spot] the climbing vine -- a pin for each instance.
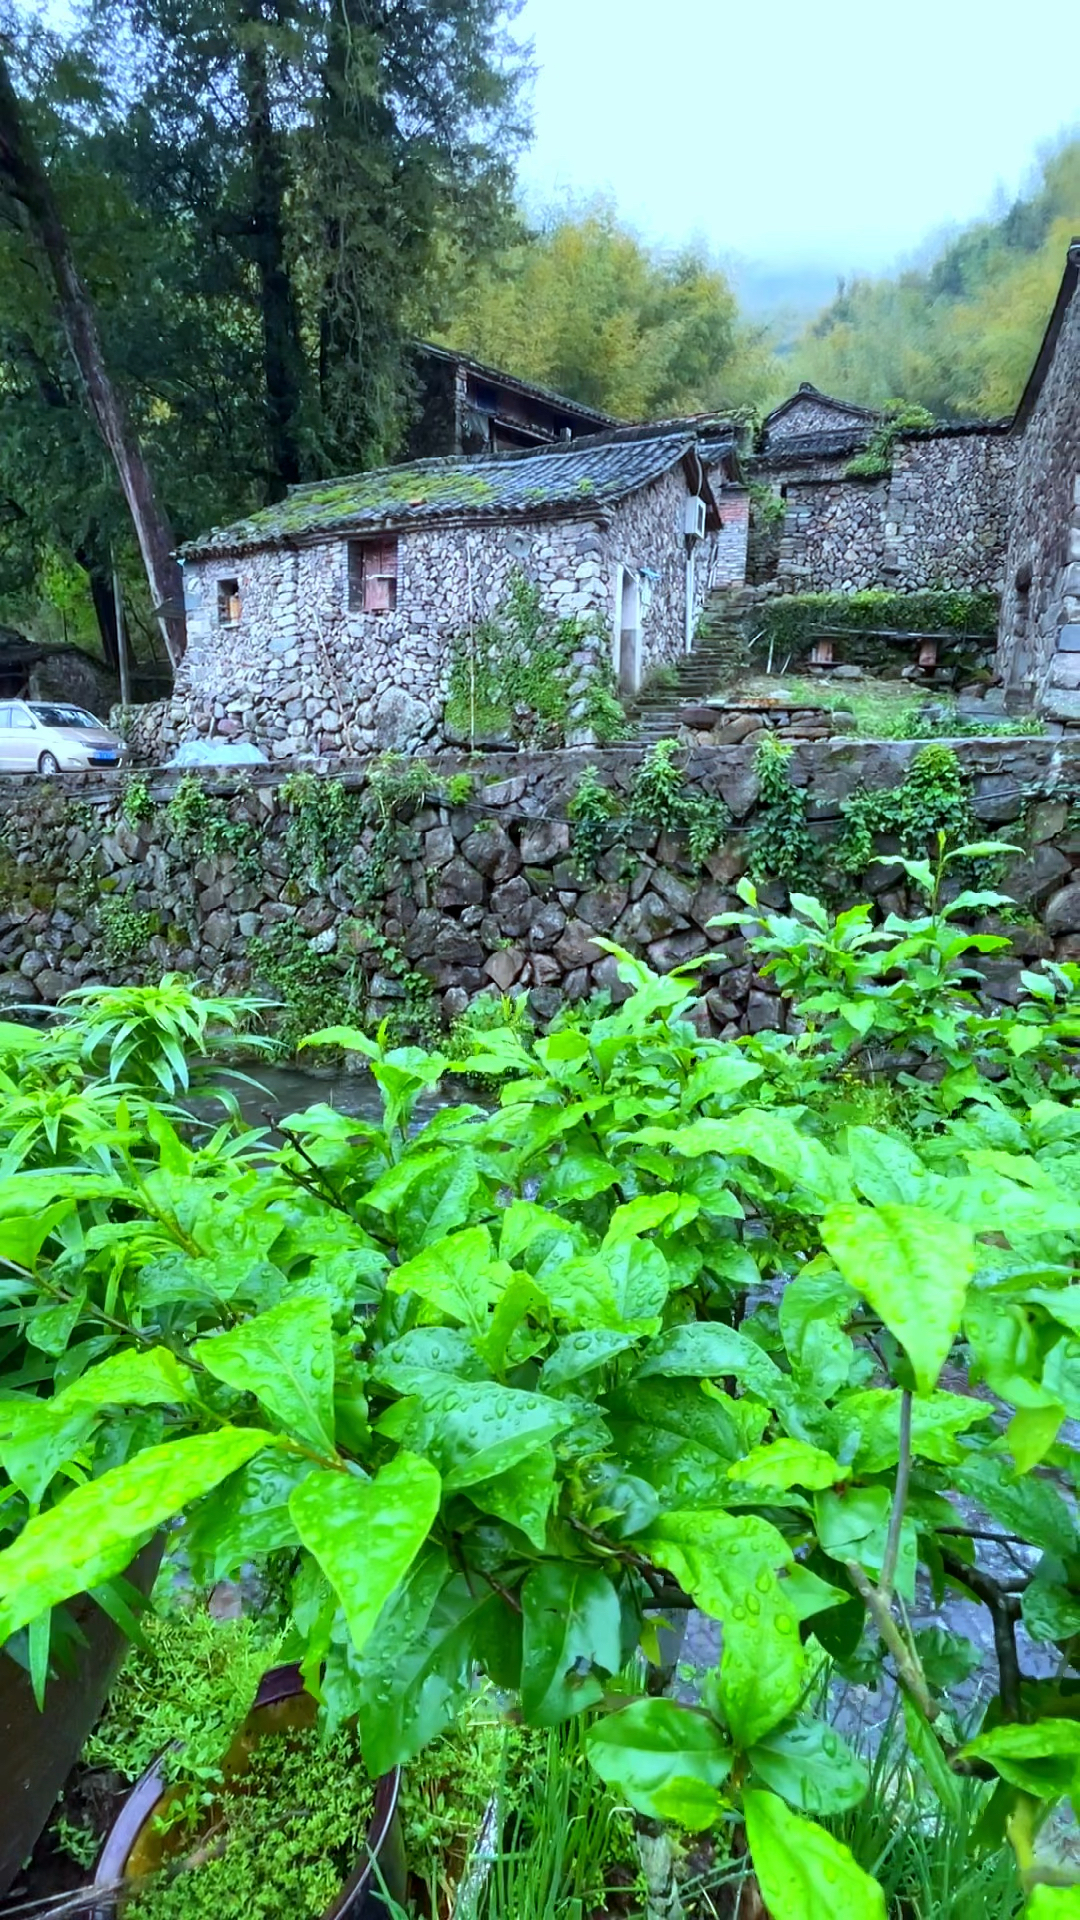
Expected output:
(513, 676)
(205, 828)
(660, 796)
(875, 461)
(780, 845)
(932, 798)
(590, 809)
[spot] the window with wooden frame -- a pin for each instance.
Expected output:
(228, 603)
(373, 575)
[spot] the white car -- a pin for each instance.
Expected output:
(50, 736)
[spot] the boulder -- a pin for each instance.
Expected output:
(459, 885)
(491, 851)
(543, 842)
(16, 989)
(1063, 911)
(1031, 881)
(546, 927)
(576, 948)
(512, 905)
(764, 1012)
(439, 847)
(504, 967)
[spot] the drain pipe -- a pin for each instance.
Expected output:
(691, 553)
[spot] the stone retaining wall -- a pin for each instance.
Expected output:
(1039, 644)
(487, 893)
(940, 519)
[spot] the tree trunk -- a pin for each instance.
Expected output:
(101, 593)
(25, 179)
(284, 367)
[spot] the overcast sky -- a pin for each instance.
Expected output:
(840, 133)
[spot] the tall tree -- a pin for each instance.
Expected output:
(584, 306)
(25, 182)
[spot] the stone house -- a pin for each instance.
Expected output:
(466, 407)
(330, 622)
(937, 517)
(1039, 637)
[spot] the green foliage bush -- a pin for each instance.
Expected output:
(876, 459)
(933, 797)
(666, 1325)
(780, 845)
(792, 621)
(124, 931)
(309, 989)
(659, 797)
(512, 675)
(206, 829)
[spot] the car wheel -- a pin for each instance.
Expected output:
(48, 764)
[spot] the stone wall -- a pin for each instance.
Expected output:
(833, 536)
(947, 513)
(728, 560)
(303, 674)
(1039, 643)
(486, 893)
(939, 520)
(813, 416)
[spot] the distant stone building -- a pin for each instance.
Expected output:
(937, 516)
(330, 623)
(32, 670)
(466, 407)
(1039, 641)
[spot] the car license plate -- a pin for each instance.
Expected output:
(109, 759)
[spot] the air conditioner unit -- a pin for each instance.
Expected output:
(695, 518)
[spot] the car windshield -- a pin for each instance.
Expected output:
(63, 716)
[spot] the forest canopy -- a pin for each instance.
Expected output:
(268, 201)
(958, 335)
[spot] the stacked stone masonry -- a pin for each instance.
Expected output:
(939, 520)
(488, 894)
(300, 673)
(1040, 615)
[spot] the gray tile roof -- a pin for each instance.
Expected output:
(543, 483)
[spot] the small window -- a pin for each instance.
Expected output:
(373, 576)
(20, 718)
(228, 603)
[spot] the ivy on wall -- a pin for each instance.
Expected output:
(660, 796)
(876, 460)
(512, 676)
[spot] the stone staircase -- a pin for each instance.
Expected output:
(719, 651)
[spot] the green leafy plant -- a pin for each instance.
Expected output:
(875, 462)
(285, 1837)
(310, 990)
(206, 830)
(662, 1327)
(183, 1693)
(604, 714)
(792, 620)
(511, 674)
(136, 802)
(780, 844)
(589, 809)
(324, 822)
(933, 798)
(124, 930)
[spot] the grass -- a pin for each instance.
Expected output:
(884, 709)
(568, 1846)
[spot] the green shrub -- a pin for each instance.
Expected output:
(792, 621)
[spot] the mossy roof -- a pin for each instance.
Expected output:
(543, 483)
